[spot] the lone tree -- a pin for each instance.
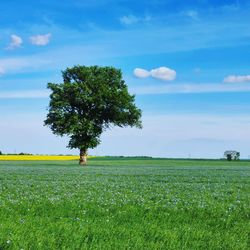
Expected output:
(89, 101)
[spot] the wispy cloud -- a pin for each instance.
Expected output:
(40, 40)
(237, 78)
(13, 63)
(207, 136)
(22, 64)
(161, 73)
(131, 19)
(193, 14)
(15, 42)
(189, 89)
(24, 94)
(2, 71)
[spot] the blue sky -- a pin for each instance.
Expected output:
(186, 61)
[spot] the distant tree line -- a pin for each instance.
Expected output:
(1, 153)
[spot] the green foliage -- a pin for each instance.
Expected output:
(125, 204)
(90, 100)
(1, 152)
(229, 157)
(22, 153)
(237, 156)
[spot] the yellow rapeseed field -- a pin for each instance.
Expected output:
(38, 157)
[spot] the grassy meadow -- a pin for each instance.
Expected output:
(125, 203)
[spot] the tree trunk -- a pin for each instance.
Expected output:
(83, 158)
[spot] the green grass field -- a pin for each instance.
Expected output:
(121, 203)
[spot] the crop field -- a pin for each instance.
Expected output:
(38, 157)
(125, 203)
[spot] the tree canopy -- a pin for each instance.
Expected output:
(88, 101)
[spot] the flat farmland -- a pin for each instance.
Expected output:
(125, 203)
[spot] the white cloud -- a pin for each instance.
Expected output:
(141, 73)
(40, 40)
(16, 42)
(130, 19)
(163, 73)
(235, 79)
